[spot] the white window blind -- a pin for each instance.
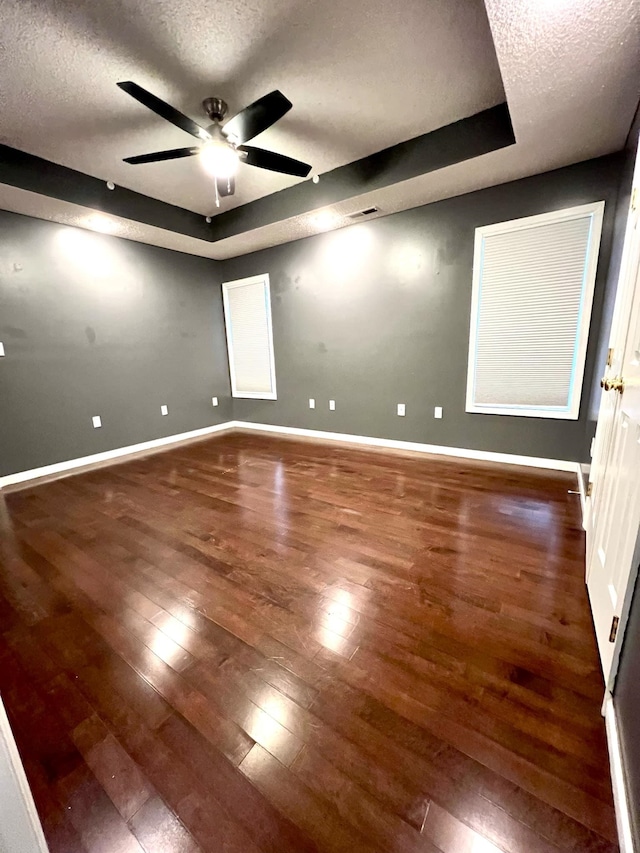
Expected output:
(533, 282)
(247, 314)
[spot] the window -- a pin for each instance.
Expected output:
(247, 316)
(533, 282)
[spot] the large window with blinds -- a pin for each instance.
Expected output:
(533, 282)
(247, 316)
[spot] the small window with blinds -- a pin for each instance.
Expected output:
(247, 316)
(533, 282)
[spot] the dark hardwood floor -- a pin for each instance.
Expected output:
(255, 644)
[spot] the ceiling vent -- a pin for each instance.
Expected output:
(361, 214)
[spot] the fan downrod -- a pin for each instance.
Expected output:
(215, 108)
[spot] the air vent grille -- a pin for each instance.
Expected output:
(361, 214)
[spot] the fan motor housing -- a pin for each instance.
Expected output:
(215, 108)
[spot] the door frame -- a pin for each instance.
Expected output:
(20, 827)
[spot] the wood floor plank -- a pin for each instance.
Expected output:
(159, 830)
(278, 646)
(270, 829)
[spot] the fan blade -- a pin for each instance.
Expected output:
(226, 186)
(257, 117)
(173, 154)
(274, 162)
(164, 110)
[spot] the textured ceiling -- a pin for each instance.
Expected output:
(361, 78)
(570, 70)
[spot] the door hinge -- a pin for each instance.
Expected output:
(614, 629)
(590, 489)
(634, 198)
(610, 357)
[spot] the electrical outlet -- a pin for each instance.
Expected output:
(332, 405)
(402, 410)
(164, 410)
(437, 412)
(214, 401)
(96, 421)
(312, 403)
(1, 349)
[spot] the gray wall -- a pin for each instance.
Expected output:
(378, 313)
(370, 316)
(100, 325)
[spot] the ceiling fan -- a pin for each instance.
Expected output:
(222, 146)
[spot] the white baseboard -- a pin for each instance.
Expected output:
(620, 799)
(370, 441)
(583, 497)
(108, 455)
(440, 450)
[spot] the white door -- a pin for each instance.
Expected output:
(617, 342)
(613, 520)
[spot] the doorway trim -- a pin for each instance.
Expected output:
(20, 827)
(618, 783)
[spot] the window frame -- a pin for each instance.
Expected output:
(572, 410)
(263, 279)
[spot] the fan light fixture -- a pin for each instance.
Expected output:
(219, 159)
(224, 140)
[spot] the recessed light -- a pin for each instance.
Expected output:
(100, 222)
(324, 220)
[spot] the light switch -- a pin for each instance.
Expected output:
(312, 403)
(1, 348)
(96, 421)
(401, 409)
(437, 412)
(214, 401)
(332, 405)
(164, 410)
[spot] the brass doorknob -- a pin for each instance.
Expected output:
(615, 384)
